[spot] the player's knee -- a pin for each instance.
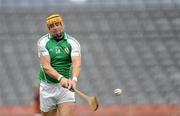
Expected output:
(67, 110)
(67, 113)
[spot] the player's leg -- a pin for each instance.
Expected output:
(48, 103)
(66, 102)
(66, 109)
(49, 113)
(36, 102)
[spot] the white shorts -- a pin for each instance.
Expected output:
(53, 94)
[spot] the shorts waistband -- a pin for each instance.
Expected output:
(45, 83)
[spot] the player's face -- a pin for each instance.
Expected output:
(55, 28)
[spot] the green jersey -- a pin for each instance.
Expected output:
(60, 53)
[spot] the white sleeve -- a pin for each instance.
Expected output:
(42, 51)
(75, 47)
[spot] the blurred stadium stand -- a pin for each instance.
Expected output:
(130, 44)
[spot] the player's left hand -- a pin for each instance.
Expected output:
(71, 85)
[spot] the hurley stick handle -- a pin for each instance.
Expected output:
(81, 94)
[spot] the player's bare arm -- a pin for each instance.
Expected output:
(76, 64)
(48, 69)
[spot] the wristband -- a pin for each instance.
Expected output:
(75, 79)
(59, 78)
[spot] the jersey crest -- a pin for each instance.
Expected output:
(66, 50)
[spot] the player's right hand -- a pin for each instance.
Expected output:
(64, 82)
